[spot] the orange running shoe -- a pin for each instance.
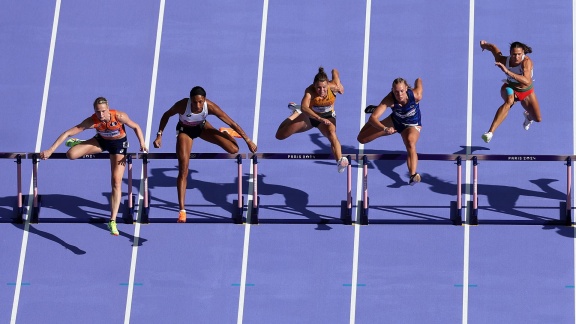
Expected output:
(230, 131)
(182, 216)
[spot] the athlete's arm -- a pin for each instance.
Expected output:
(124, 119)
(213, 109)
(178, 108)
(336, 84)
(374, 119)
(498, 57)
(305, 106)
(85, 124)
(526, 78)
(418, 89)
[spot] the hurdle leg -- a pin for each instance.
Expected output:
(568, 210)
(144, 214)
(37, 199)
(346, 207)
(456, 207)
(237, 216)
(364, 209)
(129, 216)
(19, 213)
(255, 198)
(473, 212)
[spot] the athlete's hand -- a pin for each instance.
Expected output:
(158, 141)
(502, 67)
(45, 154)
(143, 148)
(389, 130)
(483, 45)
(251, 146)
(326, 122)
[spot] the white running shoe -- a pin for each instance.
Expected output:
(294, 107)
(414, 179)
(527, 120)
(342, 164)
(487, 137)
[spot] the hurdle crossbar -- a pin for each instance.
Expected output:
(519, 157)
(35, 157)
(566, 206)
(19, 209)
(455, 207)
(346, 205)
(237, 218)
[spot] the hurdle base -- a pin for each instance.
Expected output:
(565, 214)
(364, 211)
(455, 214)
(18, 215)
(128, 216)
(254, 213)
(238, 213)
(472, 214)
(145, 215)
(345, 213)
(36, 211)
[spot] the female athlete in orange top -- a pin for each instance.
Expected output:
(317, 111)
(111, 137)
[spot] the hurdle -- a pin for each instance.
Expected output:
(455, 206)
(237, 215)
(18, 217)
(565, 206)
(37, 202)
(345, 205)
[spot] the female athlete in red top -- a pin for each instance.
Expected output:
(518, 86)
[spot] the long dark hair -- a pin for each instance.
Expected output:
(527, 49)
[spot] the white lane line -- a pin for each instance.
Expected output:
(38, 145)
(245, 249)
(466, 265)
(137, 225)
(359, 187)
(573, 134)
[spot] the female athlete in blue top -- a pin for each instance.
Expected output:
(404, 119)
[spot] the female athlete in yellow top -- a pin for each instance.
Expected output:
(317, 110)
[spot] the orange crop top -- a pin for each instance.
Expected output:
(110, 130)
(322, 105)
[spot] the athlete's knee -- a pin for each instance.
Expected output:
(71, 155)
(232, 149)
(281, 135)
(361, 139)
(116, 183)
(182, 172)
